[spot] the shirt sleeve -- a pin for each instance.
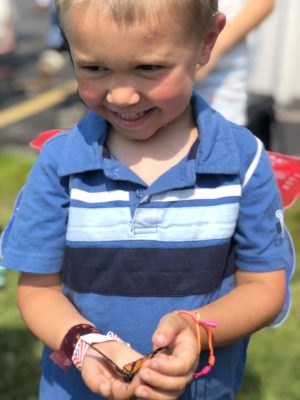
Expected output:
(36, 239)
(262, 241)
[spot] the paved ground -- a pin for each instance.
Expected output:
(31, 103)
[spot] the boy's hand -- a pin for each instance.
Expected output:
(166, 376)
(100, 376)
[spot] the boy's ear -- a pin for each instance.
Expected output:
(210, 37)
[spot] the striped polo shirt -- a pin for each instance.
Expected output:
(129, 253)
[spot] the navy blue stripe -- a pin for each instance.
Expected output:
(147, 272)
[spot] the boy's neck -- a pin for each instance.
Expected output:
(150, 158)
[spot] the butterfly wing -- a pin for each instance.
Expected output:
(43, 137)
(111, 362)
(287, 174)
(130, 369)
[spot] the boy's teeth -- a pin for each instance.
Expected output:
(131, 117)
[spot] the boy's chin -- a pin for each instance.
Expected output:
(136, 136)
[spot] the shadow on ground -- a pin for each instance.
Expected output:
(19, 365)
(251, 388)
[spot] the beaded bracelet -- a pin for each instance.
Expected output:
(63, 356)
(85, 341)
(207, 325)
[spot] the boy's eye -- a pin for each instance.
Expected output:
(94, 68)
(149, 67)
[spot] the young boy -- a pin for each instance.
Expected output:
(152, 203)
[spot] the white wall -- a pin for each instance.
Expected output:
(276, 54)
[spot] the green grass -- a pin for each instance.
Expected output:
(273, 369)
(14, 167)
(20, 351)
(273, 363)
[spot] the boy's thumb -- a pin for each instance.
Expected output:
(166, 331)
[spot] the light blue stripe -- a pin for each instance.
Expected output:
(165, 225)
(146, 244)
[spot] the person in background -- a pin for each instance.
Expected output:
(261, 117)
(55, 56)
(141, 224)
(223, 81)
(7, 27)
(7, 46)
(42, 4)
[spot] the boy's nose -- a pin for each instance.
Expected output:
(123, 96)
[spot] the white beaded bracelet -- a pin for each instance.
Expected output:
(91, 338)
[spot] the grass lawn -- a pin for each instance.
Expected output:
(20, 352)
(273, 369)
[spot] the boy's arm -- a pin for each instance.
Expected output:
(45, 309)
(249, 17)
(50, 315)
(255, 302)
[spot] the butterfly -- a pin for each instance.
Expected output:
(287, 174)
(129, 370)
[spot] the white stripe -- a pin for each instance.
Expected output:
(160, 224)
(199, 194)
(99, 197)
(174, 195)
(254, 163)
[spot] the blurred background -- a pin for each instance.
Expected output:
(38, 92)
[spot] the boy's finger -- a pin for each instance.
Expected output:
(181, 364)
(144, 392)
(96, 376)
(165, 382)
(169, 326)
(99, 384)
(124, 391)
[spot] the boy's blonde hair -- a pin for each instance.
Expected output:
(193, 15)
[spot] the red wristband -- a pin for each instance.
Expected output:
(63, 356)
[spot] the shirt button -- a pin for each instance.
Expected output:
(140, 193)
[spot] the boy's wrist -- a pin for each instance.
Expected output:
(190, 318)
(63, 356)
(91, 339)
(77, 341)
(195, 316)
(189, 322)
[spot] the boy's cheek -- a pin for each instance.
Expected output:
(169, 96)
(88, 95)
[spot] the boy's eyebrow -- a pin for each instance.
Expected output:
(85, 59)
(147, 60)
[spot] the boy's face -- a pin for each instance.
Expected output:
(138, 78)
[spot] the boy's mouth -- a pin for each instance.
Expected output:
(132, 118)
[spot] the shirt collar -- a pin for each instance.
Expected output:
(217, 152)
(83, 147)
